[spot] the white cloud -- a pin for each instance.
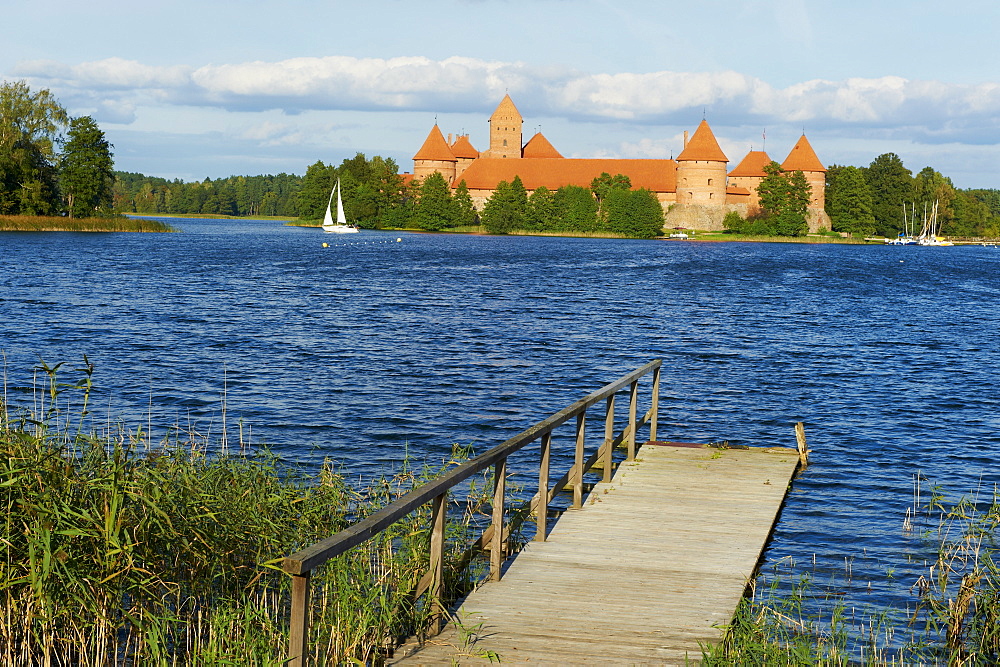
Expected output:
(458, 84)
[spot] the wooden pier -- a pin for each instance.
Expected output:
(645, 567)
(647, 571)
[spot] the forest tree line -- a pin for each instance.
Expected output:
(869, 201)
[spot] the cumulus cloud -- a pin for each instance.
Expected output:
(117, 86)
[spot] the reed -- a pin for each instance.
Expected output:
(954, 619)
(41, 223)
(115, 551)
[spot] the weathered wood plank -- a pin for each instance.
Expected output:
(646, 572)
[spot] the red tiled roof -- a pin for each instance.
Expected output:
(553, 173)
(703, 146)
(462, 148)
(736, 190)
(435, 147)
(539, 147)
(802, 157)
(752, 165)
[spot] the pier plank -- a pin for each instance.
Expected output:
(646, 572)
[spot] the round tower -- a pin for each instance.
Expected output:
(803, 158)
(435, 155)
(701, 170)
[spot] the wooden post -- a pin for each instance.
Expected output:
(298, 641)
(609, 437)
(497, 543)
(654, 404)
(543, 487)
(800, 440)
(633, 400)
(439, 510)
(581, 425)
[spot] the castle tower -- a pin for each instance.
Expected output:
(749, 173)
(505, 131)
(435, 155)
(464, 153)
(701, 170)
(803, 158)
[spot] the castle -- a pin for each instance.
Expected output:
(695, 188)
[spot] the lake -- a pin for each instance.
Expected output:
(374, 348)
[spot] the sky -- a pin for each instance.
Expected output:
(211, 88)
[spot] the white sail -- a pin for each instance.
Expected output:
(340, 226)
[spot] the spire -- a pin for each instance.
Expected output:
(506, 109)
(435, 147)
(703, 146)
(802, 157)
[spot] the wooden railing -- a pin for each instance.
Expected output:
(301, 564)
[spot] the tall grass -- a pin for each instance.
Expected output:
(115, 551)
(42, 223)
(953, 617)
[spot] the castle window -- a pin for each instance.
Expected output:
(710, 181)
(505, 143)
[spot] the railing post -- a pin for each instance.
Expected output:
(439, 510)
(543, 487)
(581, 424)
(497, 543)
(633, 400)
(609, 437)
(298, 640)
(655, 404)
(800, 442)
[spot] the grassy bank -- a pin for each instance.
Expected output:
(117, 550)
(41, 223)
(953, 617)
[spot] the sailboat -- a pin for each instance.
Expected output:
(340, 226)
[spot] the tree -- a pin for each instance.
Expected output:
(507, 209)
(29, 125)
(86, 171)
(891, 185)
(931, 187)
(576, 208)
(465, 210)
(542, 213)
(784, 200)
(849, 201)
(314, 194)
(633, 213)
(604, 184)
(435, 209)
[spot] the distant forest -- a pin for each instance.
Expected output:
(236, 195)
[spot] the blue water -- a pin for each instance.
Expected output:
(372, 348)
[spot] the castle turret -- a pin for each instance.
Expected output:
(803, 158)
(464, 154)
(435, 155)
(749, 173)
(701, 169)
(505, 131)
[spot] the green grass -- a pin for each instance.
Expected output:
(119, 550)
(41, 223)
